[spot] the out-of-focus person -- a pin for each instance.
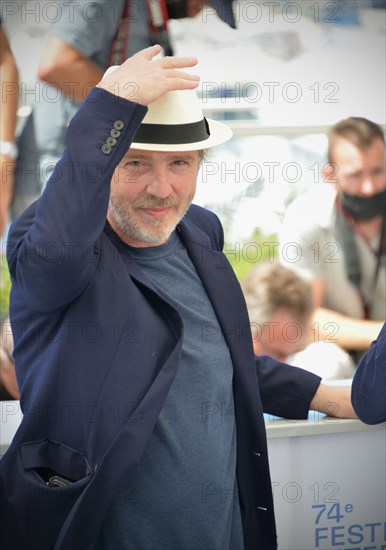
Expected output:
(368, 390)
(334, 235)
(9, 83)
(281, 308)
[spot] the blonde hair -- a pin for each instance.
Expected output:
(270, 287)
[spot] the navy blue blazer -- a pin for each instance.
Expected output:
(368, 390)
(97, 348)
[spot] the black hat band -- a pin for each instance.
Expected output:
(168, 134)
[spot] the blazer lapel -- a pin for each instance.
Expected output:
(131, 265)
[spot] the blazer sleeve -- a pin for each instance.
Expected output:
(285, 391)
(53, 249)
(368, 390)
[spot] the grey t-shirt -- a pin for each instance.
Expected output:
(183, 494)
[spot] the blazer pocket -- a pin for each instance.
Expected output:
(48, 459)
(38, 510)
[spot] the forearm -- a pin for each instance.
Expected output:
(9, 79)
(66, 68)
(349, 333)
(9, 103)
(7, 168)
(333, 401)
(53, 254)
(74, 81)
(290, 392)
(7, 374)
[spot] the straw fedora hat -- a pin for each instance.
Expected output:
(175, 122)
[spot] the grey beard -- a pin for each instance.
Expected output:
(133, 230)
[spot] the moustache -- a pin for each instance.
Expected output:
(154, 202)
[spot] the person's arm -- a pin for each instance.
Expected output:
(65, 67)
(9, 82)
(291, 392)
(333, 401)
(7, 373)
(350, 334)
(347, 332)
(53, 249)
(76, 43)
(369, 383)
(8, 382)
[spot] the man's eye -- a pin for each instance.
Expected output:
(356, 176)
(378, 172)
(180, 162)
(132, 164)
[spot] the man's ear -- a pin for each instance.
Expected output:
(330, 172)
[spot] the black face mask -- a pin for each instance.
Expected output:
(177, 8)
(364, 208)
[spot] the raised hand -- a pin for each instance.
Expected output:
(143, 80)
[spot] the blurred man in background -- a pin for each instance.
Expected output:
(281, 309)
(338, 230)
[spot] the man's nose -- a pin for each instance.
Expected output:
(159, 185)
(368, 187)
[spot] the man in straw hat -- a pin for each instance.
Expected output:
(143, 402)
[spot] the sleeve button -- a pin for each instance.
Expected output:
(111, 141)
(115, 133)
(106, 149)
(118, 124)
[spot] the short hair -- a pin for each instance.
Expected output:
(270, 287)
(203, 154)
(359, 131)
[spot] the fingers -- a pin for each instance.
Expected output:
(151, 77)
(179, 80)
(169, 62)
(181, 84)
(150, 52)
(171, 69)
(175, 73)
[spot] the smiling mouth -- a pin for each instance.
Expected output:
(157, 213)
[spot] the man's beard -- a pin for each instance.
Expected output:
(153, 230)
